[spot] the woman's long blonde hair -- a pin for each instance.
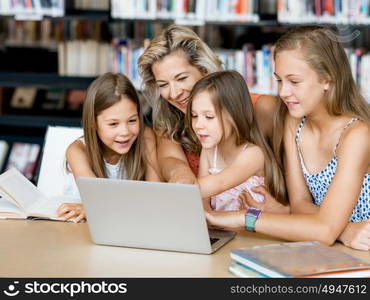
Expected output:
(230, 96)
(102, 93)
(324, 53)
(168, 120)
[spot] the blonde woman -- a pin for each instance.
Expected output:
(116, 144)
(326, 147)
(170, 66)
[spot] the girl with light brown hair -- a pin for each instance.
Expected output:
(115, 144)
(326, 139)
(234, 154)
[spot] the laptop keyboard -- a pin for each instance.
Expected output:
(213, 240)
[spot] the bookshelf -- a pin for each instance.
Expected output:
(43, 80)
(235, 29)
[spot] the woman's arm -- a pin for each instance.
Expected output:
(203, 171)
(152, 172)
(173, 163)
(245, 165)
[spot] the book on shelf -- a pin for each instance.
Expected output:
(54, 99)
(23, 97)
(300, 259)
(20, 199)
(24, 157)
(3, 151)
(323, 11)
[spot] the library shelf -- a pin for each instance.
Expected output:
(43, 80)
(31, 121)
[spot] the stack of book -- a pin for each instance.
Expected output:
(296, 259)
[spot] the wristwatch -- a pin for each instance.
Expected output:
(251, 216)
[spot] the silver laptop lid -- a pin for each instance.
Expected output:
(145, 214)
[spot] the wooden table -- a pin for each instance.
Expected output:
(58, 249)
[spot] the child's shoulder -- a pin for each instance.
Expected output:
(357, 132)
(291, 124)
(76, 146)
(250, 151)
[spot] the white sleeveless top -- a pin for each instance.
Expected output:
(113, 172)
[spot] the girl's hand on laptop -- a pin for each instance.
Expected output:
(226, 220)
(270, 204)
(72, 211)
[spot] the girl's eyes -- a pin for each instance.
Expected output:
(162, 85)
(182, 78)
(292, 81)
(207, 117)
(132, 121)
(113, 124)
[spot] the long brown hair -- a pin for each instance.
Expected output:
(324, 53)
(168, 120)
(230, 95)
(103, 92)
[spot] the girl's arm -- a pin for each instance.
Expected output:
(245, 165)
(79, 164)
(77, 160)
(152, 172)
(203, 171)
(173, 163)
(328, 222)
(357, 235)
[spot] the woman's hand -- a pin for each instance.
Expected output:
(72, 211)
(357, 235)
(226, 220)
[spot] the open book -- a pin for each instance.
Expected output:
(20, 199)
(298, 259)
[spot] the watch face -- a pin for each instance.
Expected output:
(254, 212)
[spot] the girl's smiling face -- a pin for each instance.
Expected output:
(118, 128)
(299, 86)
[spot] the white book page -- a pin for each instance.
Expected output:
(20, 189)
(7, 205)
(49, 206)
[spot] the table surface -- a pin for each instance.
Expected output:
(59, 249)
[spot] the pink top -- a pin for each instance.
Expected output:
(229, 200)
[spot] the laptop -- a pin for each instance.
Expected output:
(151, 215)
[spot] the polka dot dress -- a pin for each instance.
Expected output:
(319, 183)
